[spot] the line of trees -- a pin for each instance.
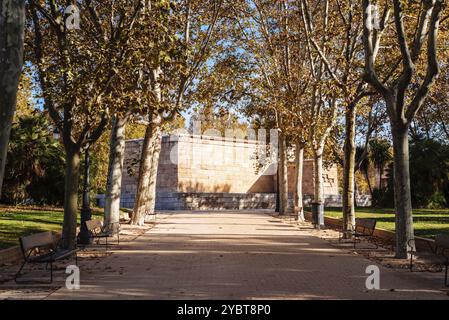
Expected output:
(317, 62)
(321, 73)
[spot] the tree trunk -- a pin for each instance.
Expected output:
(368, 182)
(115, 170)
(380, 172)
(318, 181)
(71, 197)
(283, 179)
(151, 199)
(402, 193)
(277, 191)
(299, 167)
(318, 176)
(12, 22)
(349, 173)
(146, 159)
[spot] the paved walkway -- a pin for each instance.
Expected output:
(238, 256)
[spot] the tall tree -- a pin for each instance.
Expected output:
(341, 53)
(137, 97)
(12, 24)
(403, 100)
(77, 68)
(190, 30)
(269, 34)
(323, 98)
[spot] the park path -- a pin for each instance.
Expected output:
(232, 255)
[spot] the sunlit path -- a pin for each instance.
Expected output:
(237, 256)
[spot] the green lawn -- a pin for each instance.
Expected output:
(427, 222)
(15, 222)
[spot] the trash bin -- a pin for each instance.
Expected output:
(317, 214)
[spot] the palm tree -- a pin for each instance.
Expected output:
(363, 166)
(34, 157)
(380, 155)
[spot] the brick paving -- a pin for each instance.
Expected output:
(238, 255)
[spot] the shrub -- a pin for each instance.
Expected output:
(35, 163)
(429, 176)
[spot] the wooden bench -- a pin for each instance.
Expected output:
(42, 248)
(438, 254)
(99, 231)
(364, 228)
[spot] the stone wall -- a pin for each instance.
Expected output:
(216, 165)
(212, 172)
(227, 201)
(214, 201)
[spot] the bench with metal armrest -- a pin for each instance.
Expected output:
(42, 248)
(364, 228)
(100, 231)
(438, 254)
